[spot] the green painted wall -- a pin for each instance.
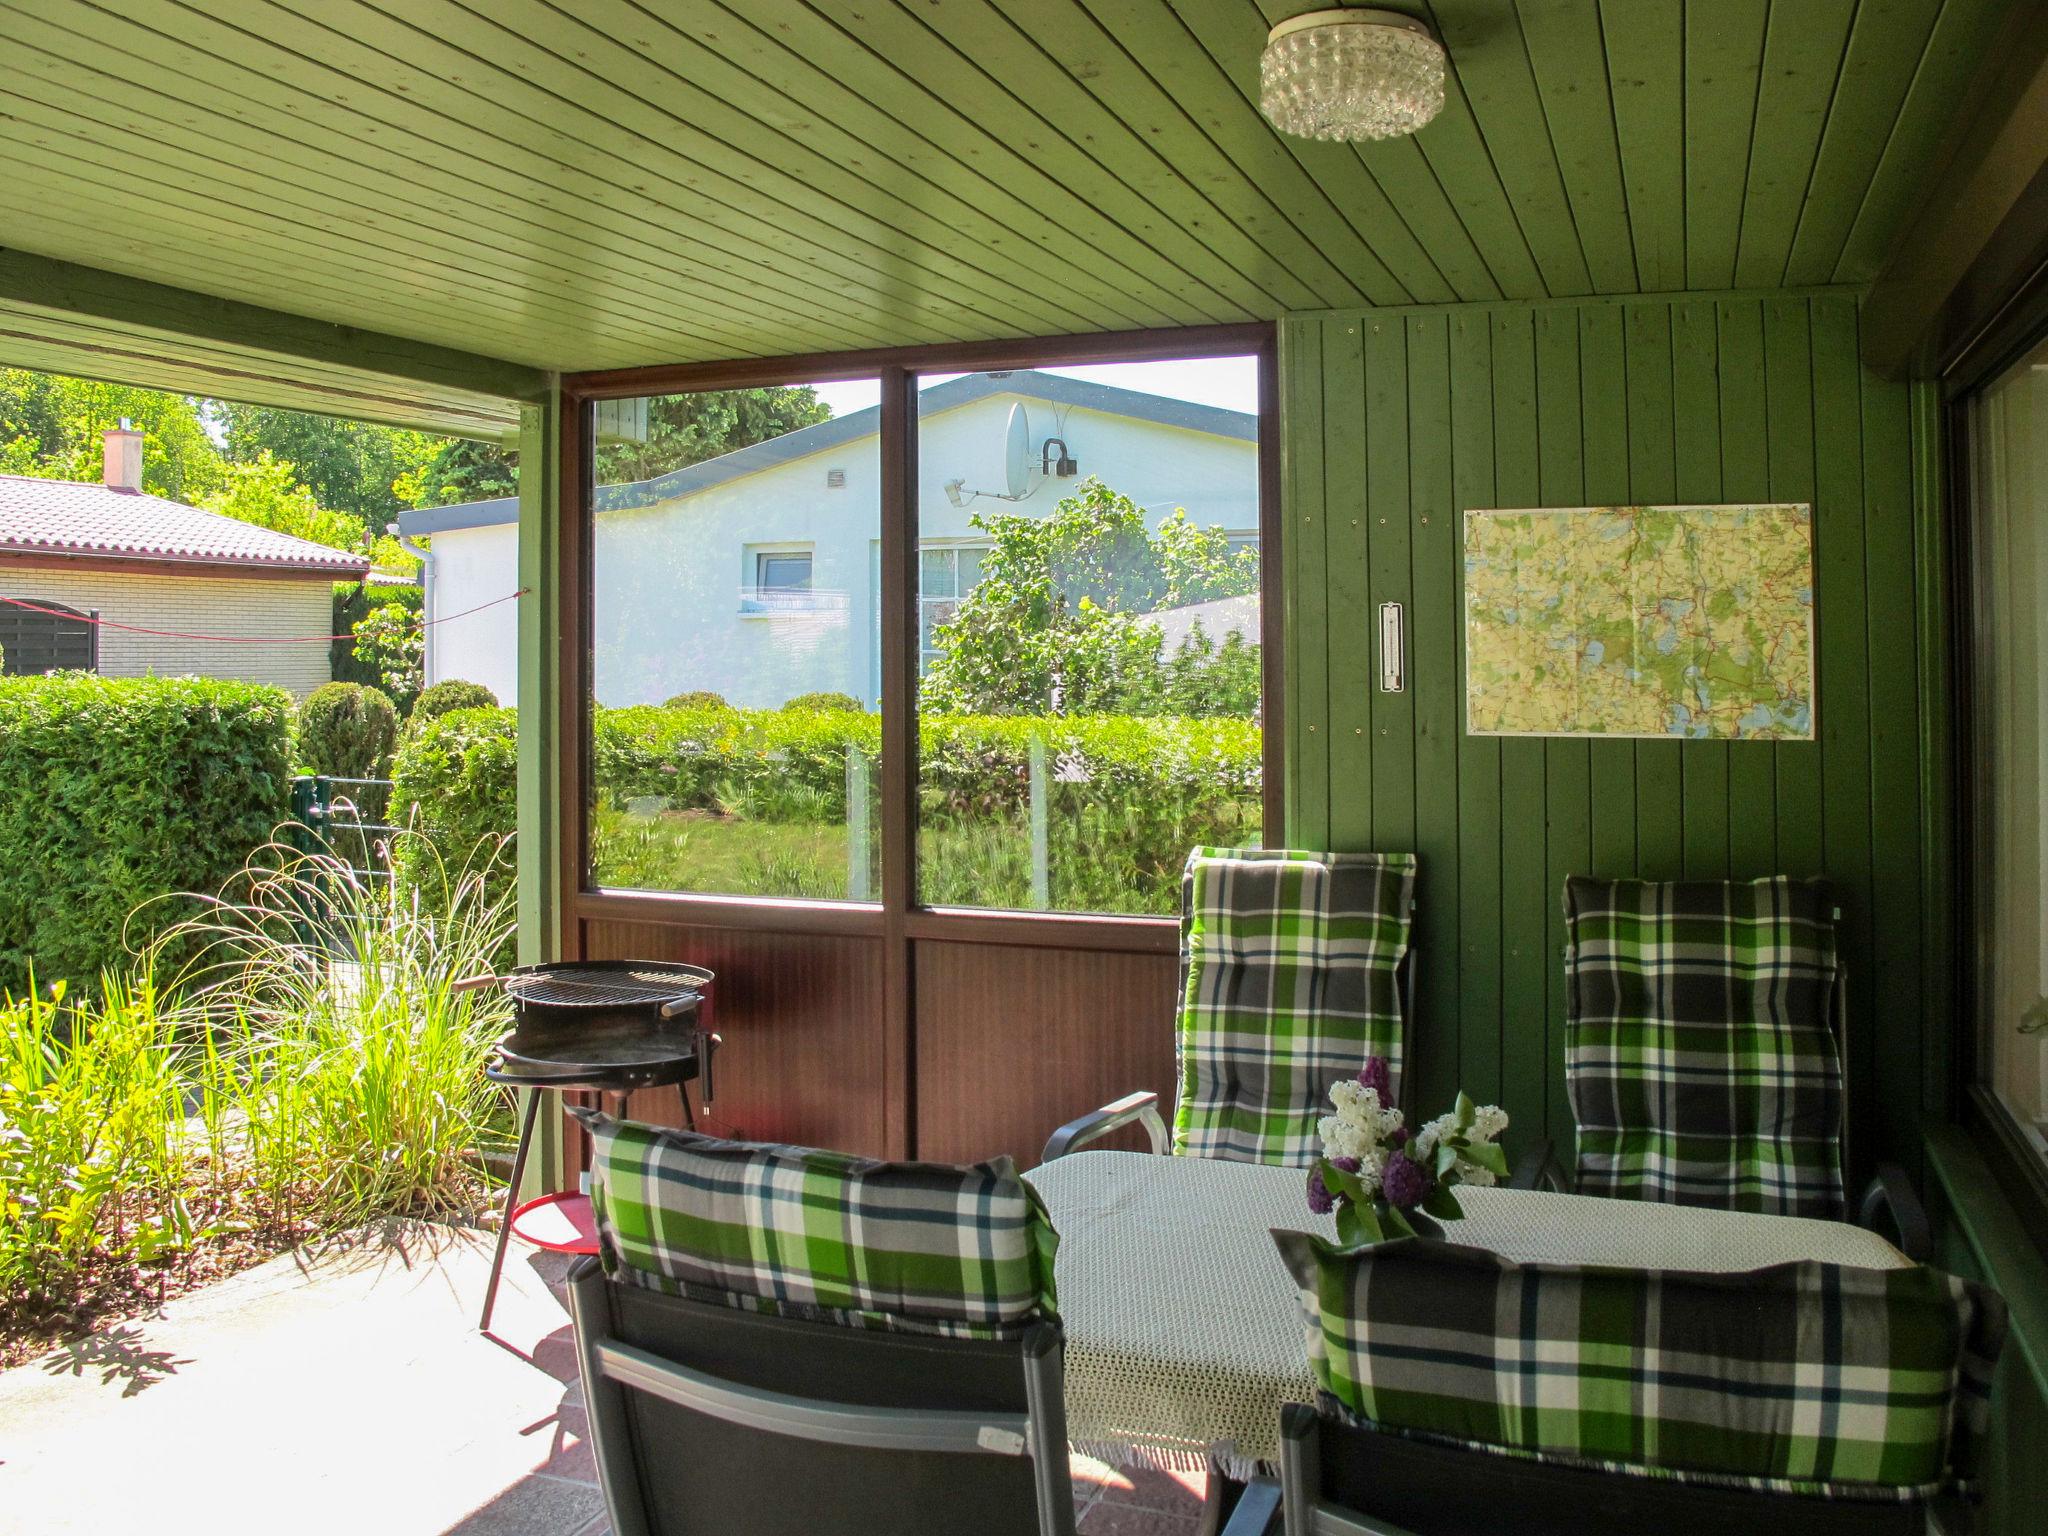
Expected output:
(1396, 421)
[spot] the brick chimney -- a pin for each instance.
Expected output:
(124, 457)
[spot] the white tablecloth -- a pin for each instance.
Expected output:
(1184, 1334)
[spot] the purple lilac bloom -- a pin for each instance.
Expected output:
(1379, 1077)
(1405, 1183)
(1320, 1201)
(1348, 1164)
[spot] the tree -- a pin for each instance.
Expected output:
(688, 429)
(266, 491)
(1055, 624)
(461, 469)
(349, 466)
(50, 427)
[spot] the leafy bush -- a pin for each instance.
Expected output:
(828, 702)
(392, 638)
(447, 695)
(118, 791)
(455, 782)
(700, 698)
(347, 730)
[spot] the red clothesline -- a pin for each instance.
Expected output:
(173, 634)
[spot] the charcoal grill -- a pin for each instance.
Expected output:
(609, 1026)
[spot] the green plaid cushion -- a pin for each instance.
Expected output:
(964, 1251)
(1699, 1047)
(1802, 1377)
(1287, 984)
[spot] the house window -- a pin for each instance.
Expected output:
(782, 575)
(2009, 806)
(46, 637)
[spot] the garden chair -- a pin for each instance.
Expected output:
(1294, 968)
(790, 1342)
(1459, 1391)
(1705, 1026)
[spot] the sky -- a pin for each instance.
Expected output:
(1231, 382)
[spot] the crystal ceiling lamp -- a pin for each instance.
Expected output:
(1351, 74)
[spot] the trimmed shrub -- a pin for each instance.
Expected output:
(115, 792)
(348, 731)
(827, 703)
(701, 698)
(1126, 796)
(455, 781)
(450, 694)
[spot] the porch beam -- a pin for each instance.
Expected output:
(106, 325)
(1984, 225)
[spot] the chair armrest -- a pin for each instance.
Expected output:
(1258, 1509)
(1891, 1194)
(1097, 1123)
(1540, 1169)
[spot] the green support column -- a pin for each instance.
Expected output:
(539, 843)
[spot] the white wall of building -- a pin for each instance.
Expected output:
(474, 566)
(674, 608)
(256, 608)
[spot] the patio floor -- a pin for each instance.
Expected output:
(350, 1391)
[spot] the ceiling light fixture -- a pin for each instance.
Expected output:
(1351, 74)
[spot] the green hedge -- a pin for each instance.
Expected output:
(352, 602)
(117, 790)
(1129, 792)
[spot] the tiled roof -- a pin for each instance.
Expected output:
(84, 518)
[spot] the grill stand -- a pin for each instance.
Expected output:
(685, 1068)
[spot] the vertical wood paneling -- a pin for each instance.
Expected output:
(1746, 476)
(1433, 632)
(1524, 874)
(1660, 837)
(1346, 553)
(1479, 784)
(1567, 771)
(1696, 477)
(1646, 401)
(1307, 593)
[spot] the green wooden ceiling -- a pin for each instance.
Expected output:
(568, 185)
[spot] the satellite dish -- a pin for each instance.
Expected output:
(1017, 454)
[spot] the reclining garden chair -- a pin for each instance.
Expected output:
(1294, 968)
(1461, 1392)
(1704, 1034)
(789, 1342)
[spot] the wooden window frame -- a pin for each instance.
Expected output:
(896, 918)
(2020, 325)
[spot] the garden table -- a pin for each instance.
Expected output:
(1184, 1333)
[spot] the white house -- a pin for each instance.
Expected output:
(757, 575)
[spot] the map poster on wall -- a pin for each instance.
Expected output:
(1640, 621)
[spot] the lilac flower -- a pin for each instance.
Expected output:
(1348, 1164)
(1320, 1201)
(1405, 1183)
(1379, 1077)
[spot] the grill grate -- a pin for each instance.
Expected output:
(600, 988)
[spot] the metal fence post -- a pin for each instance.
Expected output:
(1041, 860)
(857, 883)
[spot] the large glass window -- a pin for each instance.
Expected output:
(733, 744)
(2010, 480)
(1088, 614)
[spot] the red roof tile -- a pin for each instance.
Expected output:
(72, 517)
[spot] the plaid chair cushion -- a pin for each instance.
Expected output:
(1699, 1044)
(1287, 984)
(1812, 1378)
(963, 1251)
